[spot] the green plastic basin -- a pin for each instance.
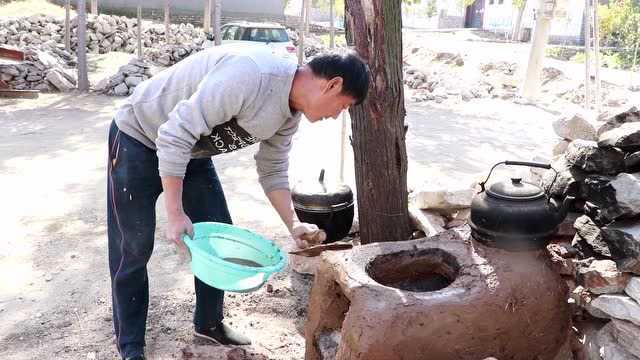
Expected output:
(232, 258)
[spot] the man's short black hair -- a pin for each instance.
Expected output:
(349, 66)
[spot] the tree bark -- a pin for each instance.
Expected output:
(81, 48)
(374, 28)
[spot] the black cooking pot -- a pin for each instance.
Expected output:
(328, 206)
(516, 215)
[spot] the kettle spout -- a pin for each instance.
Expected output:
(562, 209)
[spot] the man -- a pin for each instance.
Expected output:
(162, 139)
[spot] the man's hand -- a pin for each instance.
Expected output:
(177, 226)
(178, 223)
(306, 235)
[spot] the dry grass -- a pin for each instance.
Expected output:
(18, 8)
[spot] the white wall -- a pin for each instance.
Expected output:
(500, 17)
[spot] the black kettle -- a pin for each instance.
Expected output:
(516, 215)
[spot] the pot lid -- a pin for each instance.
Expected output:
(320, 193)
(515, 190)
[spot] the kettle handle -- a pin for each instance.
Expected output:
(522, 163)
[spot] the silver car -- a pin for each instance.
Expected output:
(272, 35)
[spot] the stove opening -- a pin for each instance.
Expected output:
(417, 271)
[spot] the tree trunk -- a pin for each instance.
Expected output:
(374, 28)
(515, 36)
(533, 81)
(167, 20)
(81, 48)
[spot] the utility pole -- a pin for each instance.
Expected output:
(81, 48)
(532, 83)
(67, 26)
(167, 20)
(94, 7)
(217, 19)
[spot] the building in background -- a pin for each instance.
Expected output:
(494, 15)
(500, 15)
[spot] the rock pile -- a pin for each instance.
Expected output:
(49, 67)
(41, 70)
(436, 207)
(442, 84)
(127, 78)
(169, 54)
(105, 33)
(601, 168)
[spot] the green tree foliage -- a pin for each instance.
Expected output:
(519, 4)
(432, 8)
(620, 28)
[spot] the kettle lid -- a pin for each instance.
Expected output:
(515, 190)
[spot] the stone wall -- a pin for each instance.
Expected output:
(48, 65)
(598, 160)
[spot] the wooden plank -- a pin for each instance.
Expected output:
(11, 54)
(19, 94)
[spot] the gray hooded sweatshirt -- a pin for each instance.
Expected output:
(217, 101)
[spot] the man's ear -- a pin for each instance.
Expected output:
(334, 86)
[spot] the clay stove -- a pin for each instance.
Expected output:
(440, 298)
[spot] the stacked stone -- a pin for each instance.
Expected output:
(601, 168)
(41, 70)
(105, 33)
(497, 81)
(124, 82)
(167, 55)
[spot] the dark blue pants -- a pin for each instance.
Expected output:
(133, 188)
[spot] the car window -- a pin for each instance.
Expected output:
(231, 33)
(265, 35)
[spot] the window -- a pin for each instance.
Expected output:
(231, 33)
(265, 35)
